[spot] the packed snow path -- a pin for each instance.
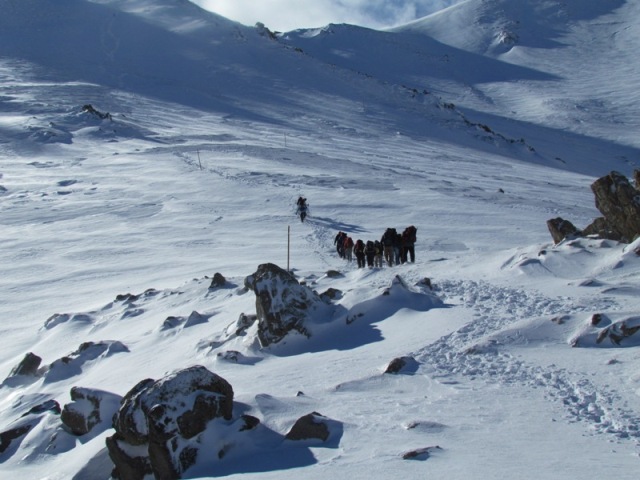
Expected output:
(471, 352)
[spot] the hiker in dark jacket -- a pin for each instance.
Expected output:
(348, 248)
(377, 259)
(398, 249)
(387, 241)
(408, 243)
(370, 252)
(339, 243)
(358, 249)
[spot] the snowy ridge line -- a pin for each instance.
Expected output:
(470, 353)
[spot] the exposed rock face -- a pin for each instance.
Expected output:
(603, 229)
(12, 434)
(72, 364)
(218, 281)
(561, 229)
(620, 332)
(331, 294)
(282, 304)
(619, 202)
(420, 453)
(401, 365)
(26, 423)
(244, 322)
(88, 408)
(311, 426)
(157, 417)
(28, 366)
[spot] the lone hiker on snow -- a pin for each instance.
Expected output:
(302, 208)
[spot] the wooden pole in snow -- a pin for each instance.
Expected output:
(288, 245)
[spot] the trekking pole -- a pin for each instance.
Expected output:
(199, 162)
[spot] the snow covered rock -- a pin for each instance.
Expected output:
(282, 304)
(605, 333)
(13, 436)
(218, 281)
(405, 364)
(157, 417)
(619, 202)
(86, 353)
(311, 426)
(561, 229)
(28, 366)
(88, 408)
(420, 453)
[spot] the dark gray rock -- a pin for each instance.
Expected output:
(405, 364)
(636, 179)
(331, 294)
(161, 416)
(28, 366)
(311, 426)
(12, 434)
(217, 281)
(619, 203)
(244, 322)
(127, 467)
(561, 229)
(420, 453)
(282, 304)
(192, 397)
(603, 229)
(88, 408)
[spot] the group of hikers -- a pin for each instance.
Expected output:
(393, 248)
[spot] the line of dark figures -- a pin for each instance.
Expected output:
(393, 248)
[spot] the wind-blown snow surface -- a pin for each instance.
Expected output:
(217, 128)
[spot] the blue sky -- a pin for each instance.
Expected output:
(283, 15)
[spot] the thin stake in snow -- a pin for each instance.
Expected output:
(288, 245)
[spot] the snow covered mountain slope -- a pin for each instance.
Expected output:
(577, 44)
(544, 63)
(146, 146)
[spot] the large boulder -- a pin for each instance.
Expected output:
(88, 408)
(282, 304)
(158, 417)
(619, 203)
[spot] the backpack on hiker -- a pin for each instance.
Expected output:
(409, 234)
(388, 238)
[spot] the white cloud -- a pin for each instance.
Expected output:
(286, 15)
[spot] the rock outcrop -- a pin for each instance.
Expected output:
(308, 427)
(88, 408)
(282, 304)
(561, 229)
(28, 366)
(618, 201)
(406, 364)
(157, 418)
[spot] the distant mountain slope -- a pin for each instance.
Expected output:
(589, 47)
(492, 27)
